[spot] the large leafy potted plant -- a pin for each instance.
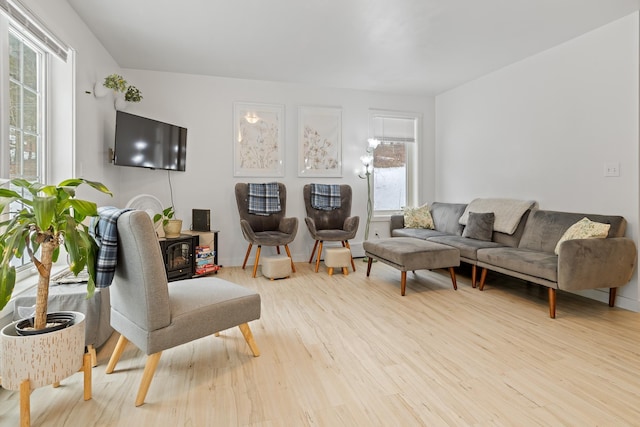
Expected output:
(42, 219)
(49, 216)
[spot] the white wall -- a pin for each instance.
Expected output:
(204, 105)
(543, 129)
(94, 118)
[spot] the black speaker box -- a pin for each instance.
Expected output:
(200, 219)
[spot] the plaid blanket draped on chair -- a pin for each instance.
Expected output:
(325, 197)
(264, 199)
(104, 230)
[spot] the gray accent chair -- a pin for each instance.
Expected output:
(336, 225)
(156, 315)
(272, 230)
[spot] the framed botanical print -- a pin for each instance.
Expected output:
(319, 142)
(258, 140)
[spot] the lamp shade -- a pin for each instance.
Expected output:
(366, 160)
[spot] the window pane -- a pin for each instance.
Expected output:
(30, 158)
(15, 106)
(15, 153)
(14, 57)
(30, 68)
(30, 111)
(393, 166)
(389, 176)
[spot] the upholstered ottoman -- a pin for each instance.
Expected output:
(276, 267)
(408, 253)
(337, 258)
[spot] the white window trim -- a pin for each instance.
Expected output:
(412, 158)
(28, 278)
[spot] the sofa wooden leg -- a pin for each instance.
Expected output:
(483, 277)
(612, 297)
(369, 261)
(474, 270)
(552, 303)
(403, 282)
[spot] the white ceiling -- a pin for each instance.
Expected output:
(394, 46)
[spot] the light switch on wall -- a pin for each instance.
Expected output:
(612, 169)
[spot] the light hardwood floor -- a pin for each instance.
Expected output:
(350, 351)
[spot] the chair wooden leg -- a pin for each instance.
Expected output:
(246, 256)
(346, 244)
(255, 265)
(319, 254)
(315, 245)
(612, 296)
(403, 282)
(25, 403)
(452, 272)
(278, 250)
(330, 271)
(117, 352)
(293, 266)
(147, 376)
(552, 303)
(248, 337)
(483, 276)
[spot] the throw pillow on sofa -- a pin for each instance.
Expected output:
(584, 229)
(479, 226)
(418, 217)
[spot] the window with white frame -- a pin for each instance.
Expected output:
(30, 59)
(394, 160)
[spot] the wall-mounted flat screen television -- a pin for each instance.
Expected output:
(148, 143)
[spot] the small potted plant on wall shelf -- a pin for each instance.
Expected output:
(115, 82)
(133, 94)
(170, 224)
(119, 86)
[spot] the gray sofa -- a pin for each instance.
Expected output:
(528, 253)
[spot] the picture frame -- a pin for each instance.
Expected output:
(258, 140)
(319, 141)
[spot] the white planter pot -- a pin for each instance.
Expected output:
(43, 359)
(173, 228)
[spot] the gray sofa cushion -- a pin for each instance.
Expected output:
(468, 247)
(544, 228)
(479, 226)
(418, 233)
(525, 261)
(446, 217)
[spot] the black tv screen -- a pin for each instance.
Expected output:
(148, 143)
